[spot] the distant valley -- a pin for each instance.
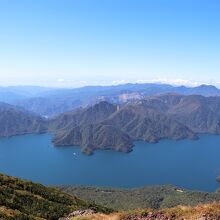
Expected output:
(117, 118)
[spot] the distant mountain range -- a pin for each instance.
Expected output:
(13, 94)
(116, 124)
(108, 126)
(52, 101)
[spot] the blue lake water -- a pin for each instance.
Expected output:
(189, 164)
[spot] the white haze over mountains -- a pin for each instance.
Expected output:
(62, 82)
(75, 83)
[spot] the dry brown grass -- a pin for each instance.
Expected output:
(9, 212)
(208, 211)
(115, 216)
(211, 211)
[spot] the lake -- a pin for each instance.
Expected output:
(186, 163)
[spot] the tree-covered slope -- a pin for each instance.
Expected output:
(168, 116)
(155, 197)
(21, 199)
(16, 121)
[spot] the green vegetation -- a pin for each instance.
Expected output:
(21, 199)
(24, 200)
(148, 197)
(17, 121)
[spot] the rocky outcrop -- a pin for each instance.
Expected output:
(79, 214)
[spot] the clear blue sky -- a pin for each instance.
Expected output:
(77, 42)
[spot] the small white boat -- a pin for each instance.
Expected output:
(74, 154)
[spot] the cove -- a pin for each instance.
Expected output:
(186, 163)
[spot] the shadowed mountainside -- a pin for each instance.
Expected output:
(16, 121)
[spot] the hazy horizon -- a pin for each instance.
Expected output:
(175, 83)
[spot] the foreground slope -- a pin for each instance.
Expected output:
(21, 199)
(201, 212)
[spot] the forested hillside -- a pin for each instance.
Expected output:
(22, 200)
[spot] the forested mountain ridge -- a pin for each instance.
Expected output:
(83, 116)
(16, 121)
(168, 116)
(110, 126)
